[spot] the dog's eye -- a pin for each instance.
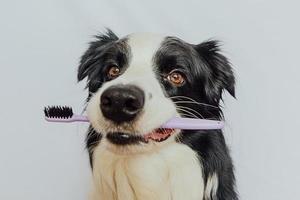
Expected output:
(176, 78)
(113, 72)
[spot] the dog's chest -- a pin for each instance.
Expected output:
(173, 172)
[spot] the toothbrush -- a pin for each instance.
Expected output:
(65, 114)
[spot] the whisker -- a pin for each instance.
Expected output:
(187, 108)
(190, 115)
(191, 100)
(198, 103)
(186, 115)
(188, 112)
(179, 96)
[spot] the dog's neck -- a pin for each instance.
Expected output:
(161, 174)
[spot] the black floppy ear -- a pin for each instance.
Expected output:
(220, 75)
(91, 56)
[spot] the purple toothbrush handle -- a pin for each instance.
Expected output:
(176, 122)
(193, 124)
(74, 118)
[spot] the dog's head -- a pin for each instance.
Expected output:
(139, 82)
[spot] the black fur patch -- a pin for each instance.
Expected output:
(92, 140)
(105, 51)
(208, 73)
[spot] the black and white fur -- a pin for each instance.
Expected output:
(190, 165)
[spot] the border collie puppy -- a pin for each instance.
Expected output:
(137, 83)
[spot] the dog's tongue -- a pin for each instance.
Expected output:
(159, 135)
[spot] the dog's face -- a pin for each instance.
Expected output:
(139, 82)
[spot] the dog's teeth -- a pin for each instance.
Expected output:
(125, 136)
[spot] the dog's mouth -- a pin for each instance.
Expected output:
(157, 135)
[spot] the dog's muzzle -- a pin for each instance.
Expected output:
(122, 103)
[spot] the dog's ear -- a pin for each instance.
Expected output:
(91, 55)
(220, 75)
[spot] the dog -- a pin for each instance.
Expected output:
(136, 84)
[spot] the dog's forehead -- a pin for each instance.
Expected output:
(143, 46)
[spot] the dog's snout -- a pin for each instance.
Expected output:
(122, 103)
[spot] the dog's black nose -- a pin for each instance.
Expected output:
(122, 103)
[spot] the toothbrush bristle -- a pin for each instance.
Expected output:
(63, 112)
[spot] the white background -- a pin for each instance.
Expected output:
(40, 45)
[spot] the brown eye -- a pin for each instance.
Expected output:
(113, 72)
(176, 78)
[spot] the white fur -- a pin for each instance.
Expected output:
(211, 186)
(171, 172)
